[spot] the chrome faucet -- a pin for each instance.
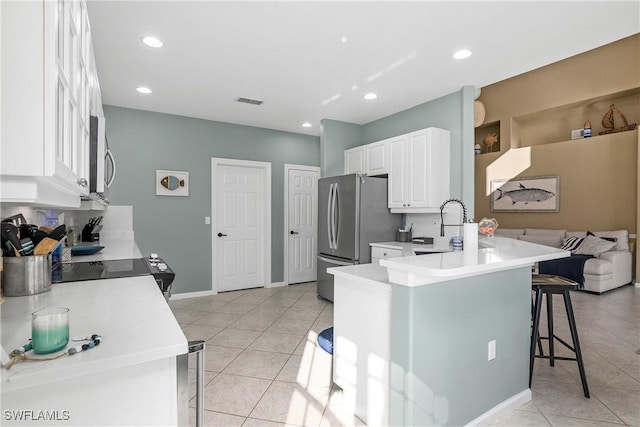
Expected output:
(464, 215)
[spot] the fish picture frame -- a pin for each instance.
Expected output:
(526, 194)
(172, 183)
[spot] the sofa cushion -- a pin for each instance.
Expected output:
(571, 243)
(594, 246)
(543, 232)
(553, 241)
(597, 266)
(576, 234)
(621, 236)
(509, 232)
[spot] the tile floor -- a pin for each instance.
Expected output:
(264, 368)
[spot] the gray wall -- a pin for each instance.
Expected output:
(453, 112)
(174, 226)
(336, 137)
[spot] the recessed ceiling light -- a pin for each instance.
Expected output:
(143, 89)
(462, 54)
(370, 96)
(152, 42)
(306, 125)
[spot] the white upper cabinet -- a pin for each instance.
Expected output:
(370, 159)
(419, 165)
(376, 158)
(354, 160)
(49, 86)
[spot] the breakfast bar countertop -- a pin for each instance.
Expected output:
(493, 254)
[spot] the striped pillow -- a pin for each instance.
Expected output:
(572, 243)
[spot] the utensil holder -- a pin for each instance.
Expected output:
(403, 236)
(27, 275)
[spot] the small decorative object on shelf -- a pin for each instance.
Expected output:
(609, 121)
(477, 149)
(587, 129)
(489, 140)
(488, 226)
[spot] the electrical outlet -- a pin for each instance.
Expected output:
(207, 220)
(491, 351)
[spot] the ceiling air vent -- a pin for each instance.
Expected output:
(249, 101)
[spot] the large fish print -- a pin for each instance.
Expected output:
(525, 195)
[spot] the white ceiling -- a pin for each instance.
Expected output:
(313, 60)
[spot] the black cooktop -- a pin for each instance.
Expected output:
(95, 270)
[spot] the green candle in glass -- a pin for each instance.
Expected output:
(49, 329)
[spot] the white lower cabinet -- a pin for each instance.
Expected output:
(419, 165)
(378, 253)
(49, 83)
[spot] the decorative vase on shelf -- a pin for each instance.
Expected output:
(487, 226)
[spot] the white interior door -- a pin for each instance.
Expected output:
(239, 228)
(302, 227)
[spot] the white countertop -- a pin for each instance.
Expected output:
(408, 247)
(131, 315)
(494, 254)
(113, 249)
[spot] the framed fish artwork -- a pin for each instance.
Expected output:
(172, 183)
(527, 194)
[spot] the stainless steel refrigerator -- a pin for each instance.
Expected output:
(352, 212)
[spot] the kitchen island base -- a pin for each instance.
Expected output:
(418, 355)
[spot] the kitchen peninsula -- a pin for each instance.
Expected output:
(439, 339)
(129, 379)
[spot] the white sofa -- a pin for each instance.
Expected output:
(608, 270)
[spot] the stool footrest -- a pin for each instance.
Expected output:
(558, 358)
(563, 342)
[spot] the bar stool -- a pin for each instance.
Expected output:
(549, 285)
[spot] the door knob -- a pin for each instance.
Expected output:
(221, 235)
(293, 232)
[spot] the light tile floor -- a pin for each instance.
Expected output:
(264, 368)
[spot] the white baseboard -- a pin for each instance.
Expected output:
(636, 284)
(192, 294)
(503, 408)
(207, 293)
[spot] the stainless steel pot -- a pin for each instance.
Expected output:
(27, 275)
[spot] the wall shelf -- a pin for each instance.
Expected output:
(555, 124)
(482, 131)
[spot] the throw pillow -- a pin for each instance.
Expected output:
(594, 246)
(610, 239)
(572, 243)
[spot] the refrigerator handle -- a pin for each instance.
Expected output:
(329, 204)
(336, 214)
(333, 216)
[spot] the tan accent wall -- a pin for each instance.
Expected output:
(537, 111)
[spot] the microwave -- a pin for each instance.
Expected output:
(102, 166)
